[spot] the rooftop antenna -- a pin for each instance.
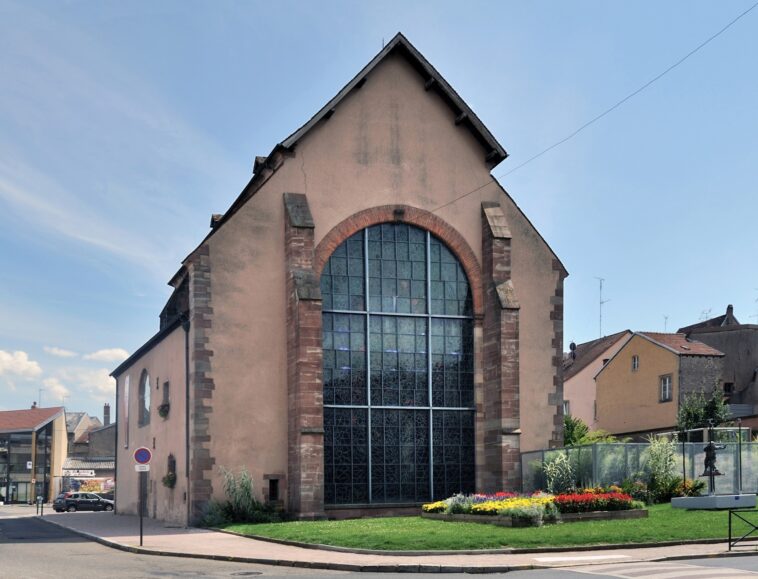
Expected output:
(39, 396)
(705, 314)
(600, 303)
(665, 324)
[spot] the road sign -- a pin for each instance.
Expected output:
(28, 465)
(142, 467)
(142, 455)
(79, 472)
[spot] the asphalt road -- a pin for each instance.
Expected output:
(33, 549)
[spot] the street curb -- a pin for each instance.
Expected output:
(300, 564)
(509, 551)
(411, 568)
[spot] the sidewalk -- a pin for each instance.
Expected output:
(122, 531)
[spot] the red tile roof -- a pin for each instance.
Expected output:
(31, 419)
(681, 345)
(588, 352)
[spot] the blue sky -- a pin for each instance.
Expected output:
(123, 126)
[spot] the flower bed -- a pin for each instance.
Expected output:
(587, 502)
(511, 509)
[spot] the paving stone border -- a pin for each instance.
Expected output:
(507, 521)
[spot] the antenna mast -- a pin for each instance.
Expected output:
(600, 304)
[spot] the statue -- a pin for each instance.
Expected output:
(710, 459)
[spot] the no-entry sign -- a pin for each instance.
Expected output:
(142, 455)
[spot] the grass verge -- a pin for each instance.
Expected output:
(416, 533)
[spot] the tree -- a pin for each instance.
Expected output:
(574, 430)
(696, 410)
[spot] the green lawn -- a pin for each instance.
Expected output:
(416, 533)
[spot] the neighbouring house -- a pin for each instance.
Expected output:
(639, 389)
(372, 324)
(32, 453)
(580, 366)
(91, 467)
(739, 343)
(77, 426)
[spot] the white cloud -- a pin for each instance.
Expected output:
(108, 355)
(60, 352)
(96, 383)
(55, 389)
(18, 364)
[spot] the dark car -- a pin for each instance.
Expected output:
(73, 502)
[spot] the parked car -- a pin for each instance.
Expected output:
(73, 502)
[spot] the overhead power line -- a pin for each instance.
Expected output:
(611, 108)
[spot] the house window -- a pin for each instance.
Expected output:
(398, 361)
(665, 388)
(728, 388)
(635, 363)
(566, 407)
(144, 399)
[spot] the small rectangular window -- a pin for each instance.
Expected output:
(728, 388)
(566, 407)
(273, 489)
(665, 392)
(635, 363)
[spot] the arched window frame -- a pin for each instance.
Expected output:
(144, 398)
(357, 418)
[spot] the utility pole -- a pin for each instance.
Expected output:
(600, 303)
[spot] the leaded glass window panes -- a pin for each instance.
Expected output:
(397, 369)
(345, 455)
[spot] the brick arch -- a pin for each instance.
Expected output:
(413, 216)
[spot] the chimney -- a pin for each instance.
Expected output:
(34, 405)
(106, 414)
(730, 310)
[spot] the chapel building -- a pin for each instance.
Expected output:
(371, 325)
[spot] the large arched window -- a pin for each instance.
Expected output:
(144, 398)
(399, 422)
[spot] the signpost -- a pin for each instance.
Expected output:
(142, 457)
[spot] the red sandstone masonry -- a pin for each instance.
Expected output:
(413, 216)
(201, 383)
(305, 478)
(501, 450)
(555, 398)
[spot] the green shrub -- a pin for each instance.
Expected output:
(660, 469)
(559, 475)
(459, 504)
(215, 515)
(531, 515)
(636, 489)
(689, 488)
(240, 506)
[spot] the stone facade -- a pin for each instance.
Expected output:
(392, 147)
(699, 374)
